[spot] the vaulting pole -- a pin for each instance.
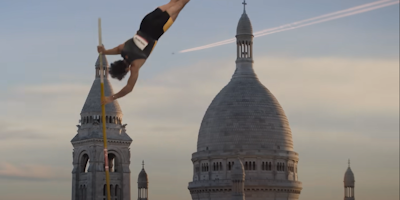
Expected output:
(103, 116)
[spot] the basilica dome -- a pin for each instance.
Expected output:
(244, 115)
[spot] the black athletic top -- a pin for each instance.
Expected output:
(132, 47)
(153, 26)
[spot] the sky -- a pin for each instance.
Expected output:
(337, 81)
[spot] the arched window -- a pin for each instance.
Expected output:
(84, 193)
(116, 193)
(112, 190)
(220, 166)
(254, 165)
(84, 163)
(81, 192)
(113, 163)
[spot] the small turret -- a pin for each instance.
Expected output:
(143, 184)
(349, 183)
(238, 178)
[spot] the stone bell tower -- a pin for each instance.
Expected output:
(88, 175)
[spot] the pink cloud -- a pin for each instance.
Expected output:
(30, 172)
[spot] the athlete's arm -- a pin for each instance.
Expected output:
(129, 86)
(115, 51)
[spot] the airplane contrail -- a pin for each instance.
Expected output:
(355, 10)
(331, 18)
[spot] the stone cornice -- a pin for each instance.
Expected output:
(94, 140)
(267, 154)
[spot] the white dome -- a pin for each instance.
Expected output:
(245, 115)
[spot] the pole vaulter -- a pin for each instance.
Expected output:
(135, 51)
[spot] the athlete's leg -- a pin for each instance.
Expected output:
(176, 8)
(167, 6)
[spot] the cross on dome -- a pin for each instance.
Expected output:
(244, 5)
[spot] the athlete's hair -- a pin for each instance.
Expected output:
(118, 69)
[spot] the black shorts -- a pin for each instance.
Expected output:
(156, 23)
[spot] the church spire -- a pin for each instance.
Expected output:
(143, 185)
(88, 166)
(244, 42)
(349, 183)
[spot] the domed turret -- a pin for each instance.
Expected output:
(349, 178)
(238, 178)
(91, 114)
(238, 170)
(143, 179)
(143, 184)
(349, 183)
(244, 26)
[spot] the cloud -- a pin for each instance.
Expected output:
(329, 87)
(53, 89)
(9, 131)
(30, 172)
(20, 134)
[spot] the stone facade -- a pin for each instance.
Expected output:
(245, 120)
(88, 175)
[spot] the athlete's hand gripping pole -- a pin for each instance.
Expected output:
(103, 116)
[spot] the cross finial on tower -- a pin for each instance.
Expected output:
(349, 162)
(143, 164)
(244, 5)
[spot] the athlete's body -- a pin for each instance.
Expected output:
(136, 50)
